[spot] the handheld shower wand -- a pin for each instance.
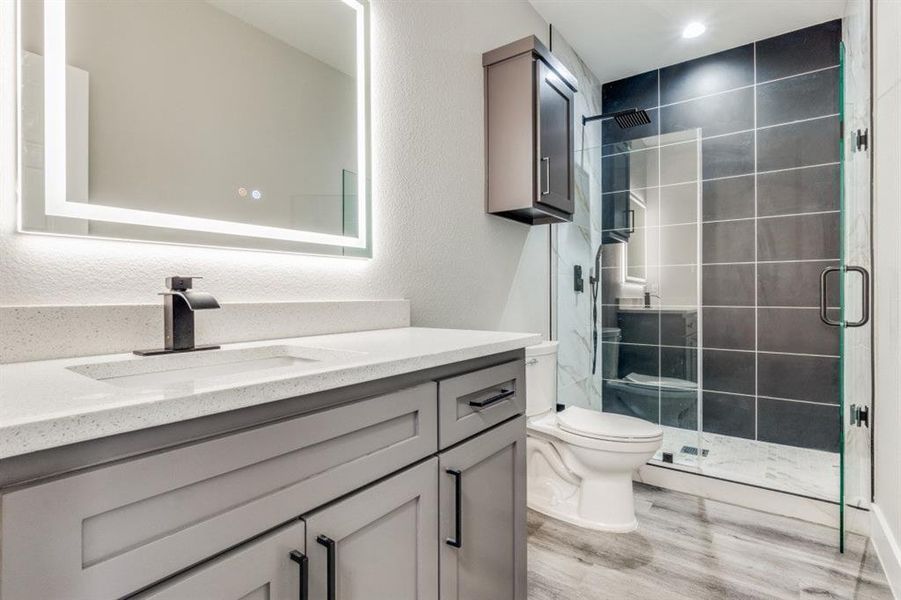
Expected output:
(594, 281)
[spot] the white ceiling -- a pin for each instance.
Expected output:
(618, 38)
(324, 29)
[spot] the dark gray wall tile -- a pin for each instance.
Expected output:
(728, 155)
(798, 144)
(805, 237)
(679, 409)
(632, 170)
(728, 241)
(728, 285)
(811, 378)
(728, 414)
(680, 363)
(640, 326)
(799, 191)
(798, 424)
(679, 245)
(707, 75)
(729, 371)
(731, 198)
(793, 284)
(679, 204)
(633, 358)
(679, 163)
(638, 91)
(799, 51)
(795, 98)
(679, 328)
(796, 330)
(728, 328)
(616, 139)
(714, 115)
(623, 400)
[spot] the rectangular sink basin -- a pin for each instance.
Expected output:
(211, 366)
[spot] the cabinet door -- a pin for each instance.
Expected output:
(482, 486)
(271, 568)
(555, 134)
(378, 543)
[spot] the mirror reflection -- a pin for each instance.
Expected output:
(245, 110)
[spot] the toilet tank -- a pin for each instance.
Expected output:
(541, 378)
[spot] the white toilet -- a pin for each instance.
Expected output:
(580, 461)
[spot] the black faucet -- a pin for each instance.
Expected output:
(179, 304)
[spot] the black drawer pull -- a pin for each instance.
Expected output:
(457, 540)
(302, 562)
(491, 400)
(329, 544)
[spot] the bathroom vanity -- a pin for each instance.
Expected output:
(381, 464)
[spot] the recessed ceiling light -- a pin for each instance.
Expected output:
(693, 30)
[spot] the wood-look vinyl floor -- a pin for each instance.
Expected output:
(690, 548)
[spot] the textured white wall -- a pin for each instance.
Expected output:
(434, 244)
(887, 285)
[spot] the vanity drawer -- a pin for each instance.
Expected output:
(114, 530)
(473, 402)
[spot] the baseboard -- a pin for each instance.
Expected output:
(748, 496)
(887, 549)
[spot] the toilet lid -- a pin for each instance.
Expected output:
(606, 426)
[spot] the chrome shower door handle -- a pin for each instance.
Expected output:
(547, 175)
(865, 290)
(824, 277)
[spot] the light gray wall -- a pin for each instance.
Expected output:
(433, 242)
(887, 282)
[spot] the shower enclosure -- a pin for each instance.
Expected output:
(733, 233)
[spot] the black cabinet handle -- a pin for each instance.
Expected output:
(329, 544)
(457, 540)
(491, 400)
(302, 562)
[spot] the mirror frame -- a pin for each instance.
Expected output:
(231, 233)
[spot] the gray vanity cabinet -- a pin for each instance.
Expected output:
(529, 123)
(261, 570)
(482, 490)
(356, 497)
(378, 543)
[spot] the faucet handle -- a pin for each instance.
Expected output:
(181, 284)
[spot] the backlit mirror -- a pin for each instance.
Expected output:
(215, 122)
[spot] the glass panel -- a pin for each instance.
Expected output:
(856, 220)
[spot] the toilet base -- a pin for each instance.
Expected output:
(605, 504)
(573, 518)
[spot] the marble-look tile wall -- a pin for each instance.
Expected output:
(573, 244)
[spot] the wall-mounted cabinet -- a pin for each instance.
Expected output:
(529, 121)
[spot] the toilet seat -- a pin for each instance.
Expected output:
(607, 426)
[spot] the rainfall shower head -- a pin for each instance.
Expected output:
(626, 119)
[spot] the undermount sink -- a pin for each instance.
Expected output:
(177, 370)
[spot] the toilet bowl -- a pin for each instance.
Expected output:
(580, 461)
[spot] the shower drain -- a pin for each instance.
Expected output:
(694, 451)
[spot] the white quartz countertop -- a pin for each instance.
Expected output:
(46, 404)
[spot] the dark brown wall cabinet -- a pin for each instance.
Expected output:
(529, 133)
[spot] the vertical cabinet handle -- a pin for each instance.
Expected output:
(824, 293)
(546, 160)
(630, 221)
(329, 544)
(302, 562)
(865, 289)
(457, 540)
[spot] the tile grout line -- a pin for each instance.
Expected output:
(756, 275)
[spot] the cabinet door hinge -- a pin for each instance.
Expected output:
(860, 415)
